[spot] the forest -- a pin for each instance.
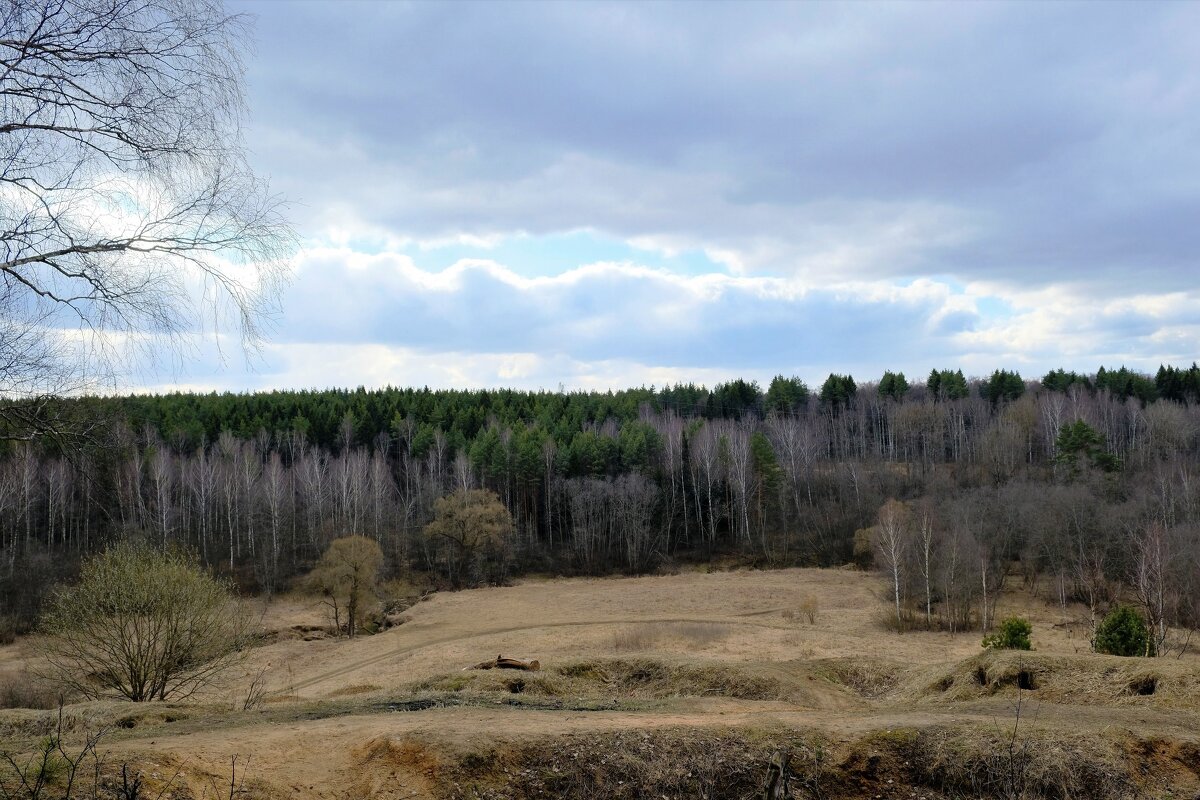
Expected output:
(1084, 487)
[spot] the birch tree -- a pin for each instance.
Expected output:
(893, 531)
(127, 206)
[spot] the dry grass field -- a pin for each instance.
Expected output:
(675, 686)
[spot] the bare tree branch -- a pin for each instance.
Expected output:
(128, 212)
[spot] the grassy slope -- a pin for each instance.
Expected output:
(682, 685)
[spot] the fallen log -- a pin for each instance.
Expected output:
(500, 662)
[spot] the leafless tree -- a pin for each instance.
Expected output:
(707, 474)
(1153, 580)
(926, 541)
(735, 447)
(130, 220)
(634, 498)
(275, 487)
(893, 531)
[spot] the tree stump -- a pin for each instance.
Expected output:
(777, 777)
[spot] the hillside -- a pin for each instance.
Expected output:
(674, 686)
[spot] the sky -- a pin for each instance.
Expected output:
(612, 195)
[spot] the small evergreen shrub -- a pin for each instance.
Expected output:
(1123, 633)
(1013, 634)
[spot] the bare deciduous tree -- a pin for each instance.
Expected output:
(893, 530)
(129, 217)
(347, 577)
(1153, 581)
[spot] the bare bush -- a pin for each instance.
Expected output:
(143, 624)
(256, 691)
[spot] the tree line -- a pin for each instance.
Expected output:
(1078, 484)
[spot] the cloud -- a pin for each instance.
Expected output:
(602, 311)
(374, 319)
(600, 195)
(1032, 145)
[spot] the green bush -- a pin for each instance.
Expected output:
(1123, 633)
(1013, 634)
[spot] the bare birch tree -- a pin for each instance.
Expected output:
(893, 530)
(129, 216)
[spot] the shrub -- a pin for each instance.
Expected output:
(1013, 634)
(142, 623)
(1123, 633)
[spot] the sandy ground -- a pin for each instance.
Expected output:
(734, 618)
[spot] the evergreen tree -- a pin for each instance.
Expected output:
(893, 385)
(947, 385)
(1059, 380)
(1078, 441)
(786, 395)
(1002, 385)
(838, 391)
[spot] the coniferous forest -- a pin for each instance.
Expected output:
(1084, 487)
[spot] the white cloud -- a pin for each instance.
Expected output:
(385, 319)
(853, 193)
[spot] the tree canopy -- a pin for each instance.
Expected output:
(468, 526)
(893, 385)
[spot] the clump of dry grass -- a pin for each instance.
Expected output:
(31, 724)
(641, 637)
(660, 679)
(635, 638)
(1082, 680)
(631, 764)
(1013, 761)
(867, 678)
(22, 690)
(347, 691)
(732, 762)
